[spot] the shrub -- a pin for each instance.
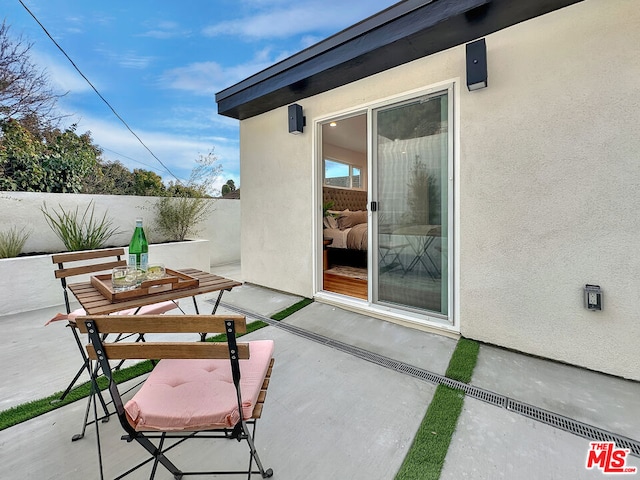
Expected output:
(185, 206)
(177, 217)
(12, 241)
(80, 232)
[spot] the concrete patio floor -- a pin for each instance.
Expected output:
(329, 414)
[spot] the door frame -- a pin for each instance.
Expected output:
(407, 317)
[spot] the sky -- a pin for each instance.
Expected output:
(159, 64)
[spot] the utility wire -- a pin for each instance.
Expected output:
(98, 93)
(105, 149)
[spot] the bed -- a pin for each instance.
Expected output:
(346, 220)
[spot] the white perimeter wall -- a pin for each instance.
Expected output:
(22, 209)
(549, 174)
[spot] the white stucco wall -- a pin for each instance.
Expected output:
(22, 209)
(549, 175)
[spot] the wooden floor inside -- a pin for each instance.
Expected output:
(353, 287)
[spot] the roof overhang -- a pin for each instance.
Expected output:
(407, 31)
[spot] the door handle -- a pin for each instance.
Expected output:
(374, 206)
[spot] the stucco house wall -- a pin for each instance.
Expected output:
(547, 177)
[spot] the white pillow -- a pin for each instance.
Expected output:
(330, 222)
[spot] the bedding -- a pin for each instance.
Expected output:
(357, 238)
(351, 231)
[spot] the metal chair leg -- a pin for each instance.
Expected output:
(254, 453)
(95, 419)
(95, 392)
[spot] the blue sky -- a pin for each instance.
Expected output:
(160, 63)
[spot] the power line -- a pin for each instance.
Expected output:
(98, 93)
(130, 158)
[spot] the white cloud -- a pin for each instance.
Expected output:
(208, 78)
(131, 60)
(178, 152)
(128, 59)
(62, 75)
(295, 19)
(199, 78)
(166, 29)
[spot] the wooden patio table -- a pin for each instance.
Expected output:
(95, 303)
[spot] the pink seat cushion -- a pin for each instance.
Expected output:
(198, 394)
(154, 309)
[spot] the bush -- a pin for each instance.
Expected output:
(80, 232)
(12, 241)
(177, 217)
(185, 206)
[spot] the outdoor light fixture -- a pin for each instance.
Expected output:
(592, 297)
(476, 65)
(296, 119)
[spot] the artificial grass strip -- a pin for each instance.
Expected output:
(429, 449)
(27, 411)
(463, 361)
(292, 309)
(251, 327)
(430, 445)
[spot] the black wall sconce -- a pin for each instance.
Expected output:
(476, 65)
(296, 119)
(592, 297)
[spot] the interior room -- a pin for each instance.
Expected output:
(345, 230)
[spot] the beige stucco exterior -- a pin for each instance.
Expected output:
(547, 185)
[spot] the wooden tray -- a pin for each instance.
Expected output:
(173, 280)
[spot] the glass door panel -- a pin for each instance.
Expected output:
(411, 231)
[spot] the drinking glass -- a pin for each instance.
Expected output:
(123, 279)
(155, 271)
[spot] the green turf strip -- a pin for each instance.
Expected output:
(292, 309)
(27, 411)
(463, 360)
(425, 458)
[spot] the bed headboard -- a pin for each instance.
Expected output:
(344, 198)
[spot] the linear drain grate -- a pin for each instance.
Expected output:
(544, 416)
(573, 426)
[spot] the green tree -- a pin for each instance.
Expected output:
(148, 183)
(68, 159)
(228, 187)
(20, 166)
(181, 190)
(56, 163)
(109, 178)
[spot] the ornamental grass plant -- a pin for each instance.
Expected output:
(80, 231)
(12, 241)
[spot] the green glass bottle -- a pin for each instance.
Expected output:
(139, 248)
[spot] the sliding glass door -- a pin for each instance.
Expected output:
(412, 143)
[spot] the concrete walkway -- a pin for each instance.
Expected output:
(329, 414)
